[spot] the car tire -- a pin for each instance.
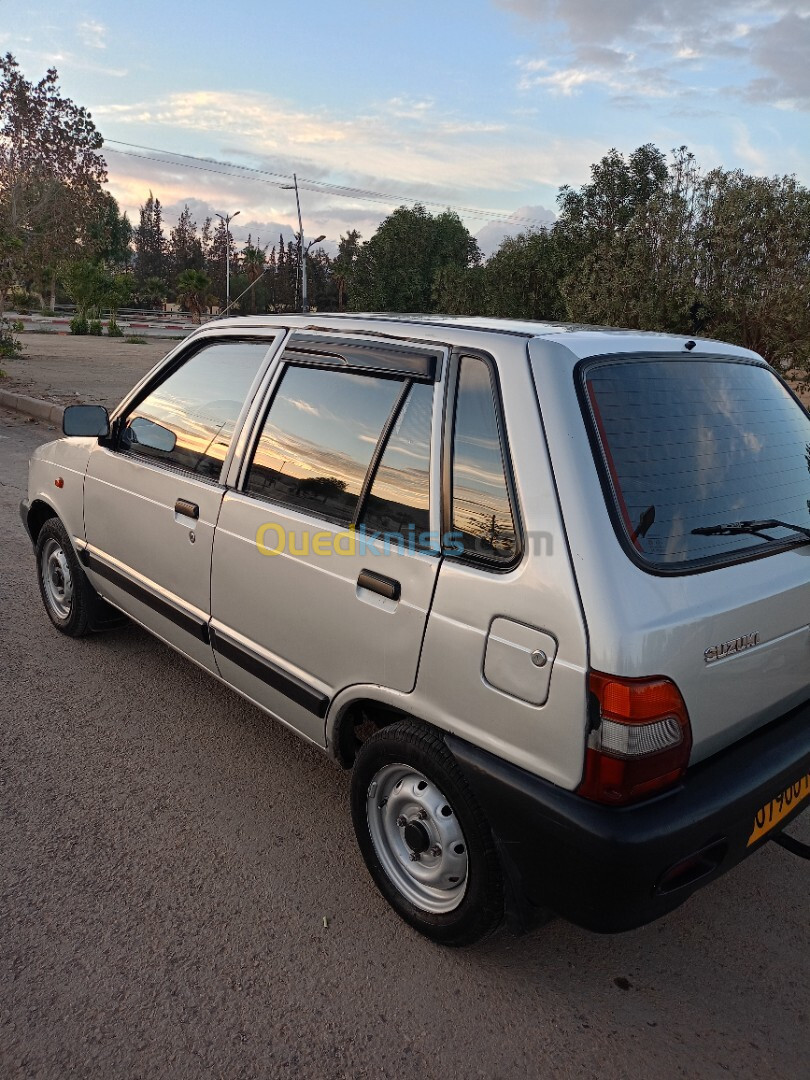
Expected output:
(424, 838)
(68, 596)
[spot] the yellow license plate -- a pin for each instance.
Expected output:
(779, 808)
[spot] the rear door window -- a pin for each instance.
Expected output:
(319, 438)
(399, 499)
(688, 446)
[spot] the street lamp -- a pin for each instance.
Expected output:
(227, 219)
(302, 249)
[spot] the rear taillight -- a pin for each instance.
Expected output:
(640, 742)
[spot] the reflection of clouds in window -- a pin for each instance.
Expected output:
(490, 445)
(479, 477)
(481, 508)
(295, 456)
(400, 495)
(304, 406)
(318, 439)
(200, 403)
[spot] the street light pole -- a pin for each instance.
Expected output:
(227, 219)
(302, 249)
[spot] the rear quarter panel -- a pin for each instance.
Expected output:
(541, 592)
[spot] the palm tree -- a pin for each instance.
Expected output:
(192, 290)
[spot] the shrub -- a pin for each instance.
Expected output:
(114, 330)
(10, 345)
(78, 325)
(135, 339)
(23, 300)
(94, 327)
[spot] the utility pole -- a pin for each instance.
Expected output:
(227, 219)
(303, 249)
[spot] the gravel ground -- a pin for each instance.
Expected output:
(169, 857)
(80, 370)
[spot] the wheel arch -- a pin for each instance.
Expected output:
(358, 720)
(39, 512)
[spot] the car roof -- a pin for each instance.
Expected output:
(582, 340)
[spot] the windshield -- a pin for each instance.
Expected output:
(688, 444)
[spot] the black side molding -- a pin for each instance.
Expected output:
(292, 687)
(196, 627)
(385, 586)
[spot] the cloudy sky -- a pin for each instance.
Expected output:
(484, 105)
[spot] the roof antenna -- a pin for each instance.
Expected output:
(690, 345)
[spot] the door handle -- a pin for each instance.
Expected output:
(187, 509)
(385, 586)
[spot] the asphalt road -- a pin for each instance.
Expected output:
(168, 856)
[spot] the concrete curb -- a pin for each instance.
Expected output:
(48, 411)
(55, 325)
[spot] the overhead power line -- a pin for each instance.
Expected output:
(323, 187)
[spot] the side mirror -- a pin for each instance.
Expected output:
(143, 432)
(86, 421)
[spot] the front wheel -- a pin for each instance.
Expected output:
(423, 836)
(66, 592)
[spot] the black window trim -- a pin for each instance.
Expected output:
(378, 357)
(482, 562)
(113, 441)
(290, 359)
(694, 566)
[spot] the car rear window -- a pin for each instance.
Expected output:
(691, 444)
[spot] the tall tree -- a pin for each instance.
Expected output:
(343, 265)
(185, 249)
(221, 241)
(150, 243)
(396, 269)
(51, 171)
(109, 235)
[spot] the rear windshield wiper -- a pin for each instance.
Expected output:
(736, 528)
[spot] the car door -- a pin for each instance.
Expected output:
(153, 492)
(324, 560)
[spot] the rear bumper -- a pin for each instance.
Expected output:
(606, 868)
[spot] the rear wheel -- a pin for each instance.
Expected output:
(66, 592)
(424, 838)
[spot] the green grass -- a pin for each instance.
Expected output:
(135, 339)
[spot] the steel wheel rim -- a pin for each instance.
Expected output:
(57, 581)
(408, 815)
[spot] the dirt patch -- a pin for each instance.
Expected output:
(82, 370)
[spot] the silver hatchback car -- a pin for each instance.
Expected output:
(544, 589)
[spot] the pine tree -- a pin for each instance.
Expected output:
(185, 248)
(150, 244)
